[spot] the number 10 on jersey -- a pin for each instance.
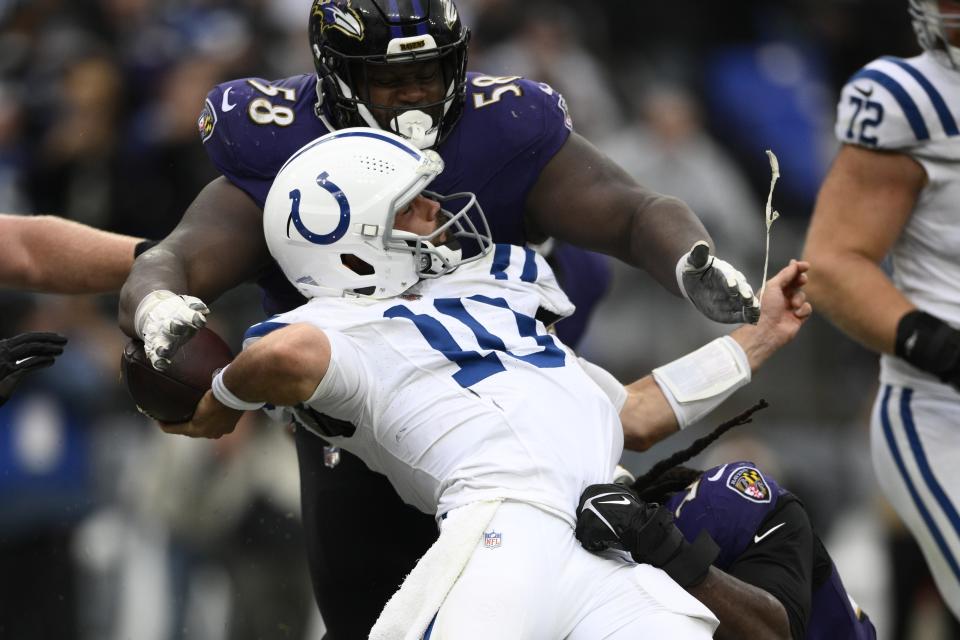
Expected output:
(475, 367)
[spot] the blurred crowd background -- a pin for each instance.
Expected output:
(111, 530)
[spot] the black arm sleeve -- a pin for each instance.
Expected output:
(781, 562)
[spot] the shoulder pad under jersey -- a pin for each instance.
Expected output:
(515, 114)
(250, 127)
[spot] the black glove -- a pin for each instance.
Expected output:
(611, 516)
(929, 343)
(23, 354)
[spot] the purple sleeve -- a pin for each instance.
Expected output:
(544, 134)
(729, 502)
(249, 127)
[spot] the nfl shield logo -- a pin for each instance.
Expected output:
(492, 540)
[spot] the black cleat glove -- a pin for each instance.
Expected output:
(611, 516)
(24, 354)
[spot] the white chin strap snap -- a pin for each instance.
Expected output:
(416, 126)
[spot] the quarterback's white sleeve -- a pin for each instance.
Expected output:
(344, 389)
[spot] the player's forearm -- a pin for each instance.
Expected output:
(56, 255)
(646, 415)
(663, 229)
(284, 368)
(584, 198)
(158, 268)
(217, 245)
(757, 344)
(855, 294)
(744, 611)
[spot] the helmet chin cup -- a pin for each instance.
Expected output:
(417, 127)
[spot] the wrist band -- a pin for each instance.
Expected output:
(929, 343)
(226, 397)
(697, 383)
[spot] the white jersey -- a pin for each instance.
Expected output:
(459, 394)
(913, 106)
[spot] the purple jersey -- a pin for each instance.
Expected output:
(731, 502)
(510, 129)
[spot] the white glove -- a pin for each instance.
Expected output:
(165, 321)
(714, 287)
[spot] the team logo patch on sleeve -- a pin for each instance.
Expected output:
(750, 484)
(207, 121)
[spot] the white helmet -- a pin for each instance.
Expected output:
(931, 27)
(337, 197)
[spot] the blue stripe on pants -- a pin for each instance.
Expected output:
(917, 449)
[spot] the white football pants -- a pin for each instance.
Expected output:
(915, 441)
(530, 578)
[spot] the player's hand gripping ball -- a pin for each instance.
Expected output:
(172, 395)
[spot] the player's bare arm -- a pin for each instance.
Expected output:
(647, 415)
(744, 611)
(283, 368)
(584, 198)
(217, 245)
(863, 205)
(56, 255)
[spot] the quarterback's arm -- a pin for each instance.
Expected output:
(283, 368)
(863, 205)
(647, 415)
(217, 245)
(56, 255)
(584, 198)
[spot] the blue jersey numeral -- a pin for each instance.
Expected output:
(473, 366)
(866, 106)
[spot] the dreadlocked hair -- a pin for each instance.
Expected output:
(667, 476)
(669, 482)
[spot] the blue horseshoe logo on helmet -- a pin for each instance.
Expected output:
(320, 238)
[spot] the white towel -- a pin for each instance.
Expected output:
(410, 610)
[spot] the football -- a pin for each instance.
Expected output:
(172, 395)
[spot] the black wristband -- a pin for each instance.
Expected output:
(930, 344)
(143, 246)
(690, 566)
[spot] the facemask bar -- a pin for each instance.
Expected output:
(433, 260)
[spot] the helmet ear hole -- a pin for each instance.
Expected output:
(357, 265)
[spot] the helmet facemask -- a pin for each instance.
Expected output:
(933, 29)
(329, 217)
(439, 252)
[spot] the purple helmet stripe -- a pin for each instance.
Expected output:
(393, 14)
(418, 11)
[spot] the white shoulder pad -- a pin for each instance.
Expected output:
(895, 103)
